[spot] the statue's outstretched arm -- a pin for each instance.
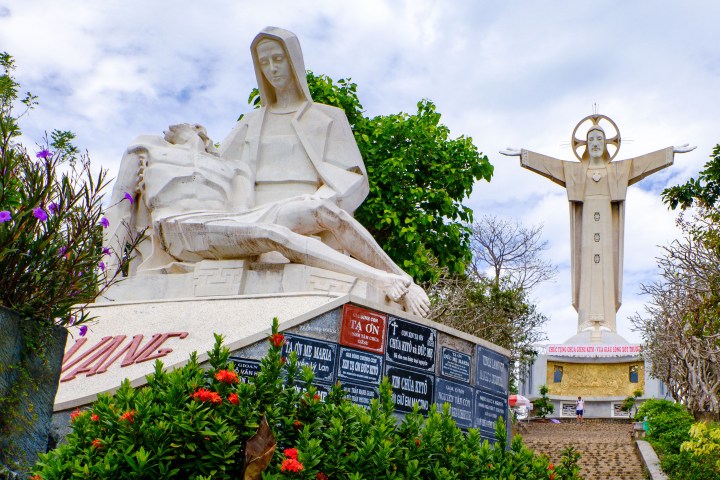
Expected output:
(511, 152)
(684, 148)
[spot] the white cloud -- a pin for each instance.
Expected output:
(515, 74)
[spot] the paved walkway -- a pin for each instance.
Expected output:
(608, 450)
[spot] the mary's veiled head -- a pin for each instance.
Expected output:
(277, 58)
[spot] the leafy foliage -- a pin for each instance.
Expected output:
(50, 219)
(496, 312)
(418, 176)
(51, 258)
(705, 443)
(543, 405)
(670, 426)
(628, 405)
(682, 316)
(187, 422)
(703, 191)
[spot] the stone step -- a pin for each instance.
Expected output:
(607, 449)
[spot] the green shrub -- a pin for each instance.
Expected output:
(543, 406)
(669, 429)
(669, 424)
(195, 423)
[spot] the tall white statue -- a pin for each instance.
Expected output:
(286, 179)
(596, 188)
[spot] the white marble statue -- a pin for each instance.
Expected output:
(596, 188)
(286, 179)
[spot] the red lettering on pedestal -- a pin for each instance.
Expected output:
(95, 359)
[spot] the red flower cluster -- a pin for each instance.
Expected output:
(291, 465)
(36, 477)
(298, 425)
(321, 476)
(277, 339)
(551, 476)
(75, 413)
(227, 376)
(94, 417)
(97, 443)
(551, 466)
(204, 395)
(129, 416)
(233, 398)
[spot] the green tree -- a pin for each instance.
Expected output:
(703, 191)
(419, 176)
(683, 314)
(51, 263)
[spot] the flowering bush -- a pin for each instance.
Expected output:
(51, 223)
(52, 264)
(196, 424)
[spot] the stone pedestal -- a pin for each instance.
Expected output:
(342, 337)
(600, 366)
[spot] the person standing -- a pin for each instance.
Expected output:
(579, 409)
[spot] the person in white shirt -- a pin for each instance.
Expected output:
(579, 409)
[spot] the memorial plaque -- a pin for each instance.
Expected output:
(460, 398)
(491, 370)
(488, 408)
(363, 329)
(316, 354)
(358, 366)
(322, 390)
(246, 368)
(455, 364)
(411, 344)
(360, 394)
(410, 387)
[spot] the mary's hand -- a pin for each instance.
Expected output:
(511, 152)
(683, 148)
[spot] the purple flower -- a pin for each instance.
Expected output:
(106, 251)
(40, 214)
(102, 266)
(5, 216)
(128, 197)
(53, 207)
(104, 222)
(72, 320)
(44, 153)
(83, 330)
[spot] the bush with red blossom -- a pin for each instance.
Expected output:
(193, 423)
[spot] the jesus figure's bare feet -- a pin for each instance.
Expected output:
(416, 301)
(395, 286)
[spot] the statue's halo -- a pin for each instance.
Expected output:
(595, 119)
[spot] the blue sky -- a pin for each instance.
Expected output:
(516, 73)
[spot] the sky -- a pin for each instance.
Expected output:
(517, 73)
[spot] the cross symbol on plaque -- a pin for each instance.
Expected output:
(596, 176)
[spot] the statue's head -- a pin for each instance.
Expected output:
(596, 145)
(596, 141)
(188, 134)
(278, 59)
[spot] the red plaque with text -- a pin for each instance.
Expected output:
(363, 329)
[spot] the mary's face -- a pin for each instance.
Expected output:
(596, 143)
(274, 64)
